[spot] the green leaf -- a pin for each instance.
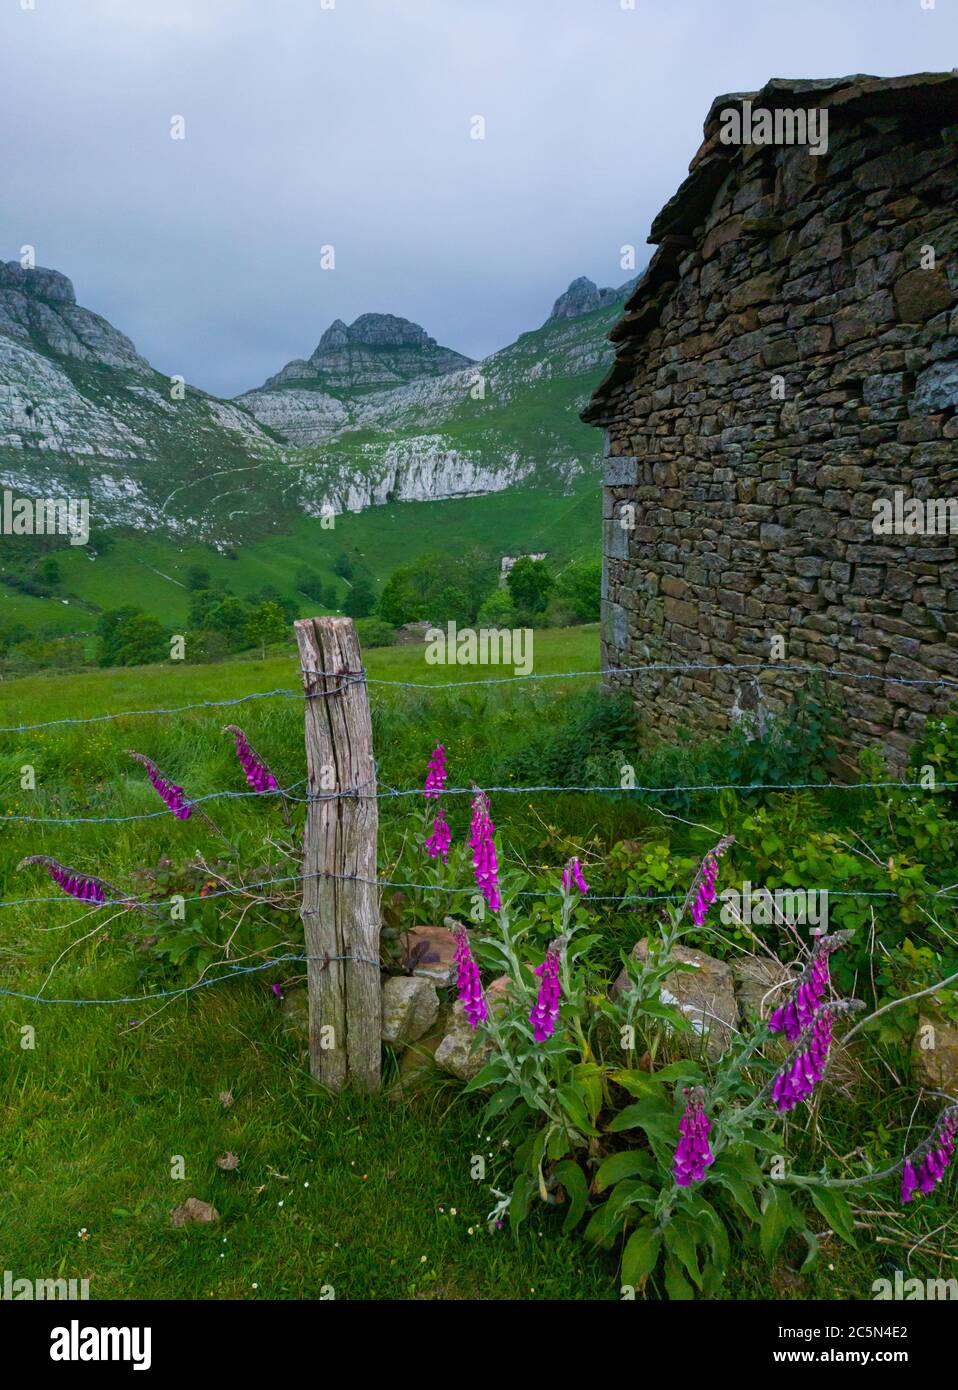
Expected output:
(492, 1072)
(836, 1212)
(522, 1195)
(811, 1240)
(774, 1225)
(680, 1241)
(680, 1071)
(573, 1101)
(640, 1255)
(637, 1083)
(623, 1165)
(676, 1284)
(573, 1180)
(651, 1114)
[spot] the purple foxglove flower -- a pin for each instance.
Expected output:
(171, 794)
(82, 886)
(468, 983)
(802, 1073)
(545, 1011)
(692, 1153)
(572, 874)
(436, 773)
(798, 1012)
(440, 839)
(703, 885)
(258, 774)
(483, 848)
(925, 1167)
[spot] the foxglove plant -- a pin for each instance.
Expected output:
(925, 1166)
(258, 774)
(85, 887)
(692, 1154)
(545, 1011)
(436, 773)
(483, 848)
(437, 845)
(468, 983)
(798, 1012)
(171, 795)
(572, 874)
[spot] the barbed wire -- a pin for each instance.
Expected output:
(933, 890)
(389, 793)
(354, 677)
(232, 974)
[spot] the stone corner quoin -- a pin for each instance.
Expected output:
(789, 357)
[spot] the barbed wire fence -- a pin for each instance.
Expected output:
(341, 830)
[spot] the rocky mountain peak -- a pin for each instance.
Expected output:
(583, 296)
(37, 283)
(374, 330)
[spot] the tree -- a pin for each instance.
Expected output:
(498, 610)
(48, 570)
(529, 584)
(343, 566)
(128, 637)
(580, 585)
(197, 578)
(311, 584)
(228, 616)
(361, 600)
(266, 623)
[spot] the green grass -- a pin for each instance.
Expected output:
(93, 1116)
(149, 572)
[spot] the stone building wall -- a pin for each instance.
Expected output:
(782, 273)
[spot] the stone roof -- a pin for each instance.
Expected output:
(678, 227)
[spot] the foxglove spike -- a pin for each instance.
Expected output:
(82, 886)
(171, 794)
(925, 1167)
(258, 774)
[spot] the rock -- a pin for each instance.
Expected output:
(936, 389)
(194, 1210)
(583, 297)
(921, 294)
(705, 995)
(756, 982)
(429, 951)
(935, 1054)
(410, 1007)
(411, 634)
(418, 1062)
(458, 1052)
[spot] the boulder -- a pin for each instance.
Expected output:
(410, 1007)
(705, 995)
(458, 1052)
(194, 1210)
(755, 981)
(935, 1054)
(429, 953)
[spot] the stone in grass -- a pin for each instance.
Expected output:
(705, 995)
(418, 1063)
(410, 1007)
(194, 1210)
(760, 986)
(459, 1052)
(935, 1054)
(429, 953)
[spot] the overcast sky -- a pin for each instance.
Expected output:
(350, 126)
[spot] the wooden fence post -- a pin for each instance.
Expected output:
(340, 916)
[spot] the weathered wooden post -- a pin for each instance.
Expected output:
(340, 908)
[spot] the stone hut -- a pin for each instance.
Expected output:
(781, 475)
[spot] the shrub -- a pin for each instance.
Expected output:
(373, 632)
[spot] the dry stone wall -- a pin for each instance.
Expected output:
(790, 358)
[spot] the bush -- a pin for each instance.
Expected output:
(373, 632)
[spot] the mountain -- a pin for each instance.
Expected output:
(82, 414)
(378, 413)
